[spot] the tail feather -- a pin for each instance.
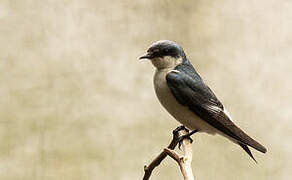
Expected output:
(254, 144)
(247, 150)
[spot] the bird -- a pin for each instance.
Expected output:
(183, 93)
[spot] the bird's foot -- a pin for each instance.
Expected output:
(187, 136)
(179, 128)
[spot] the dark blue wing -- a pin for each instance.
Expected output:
(189, 90)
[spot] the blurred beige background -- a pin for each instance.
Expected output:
(77, 104)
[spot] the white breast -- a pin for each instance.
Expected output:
(179, 112)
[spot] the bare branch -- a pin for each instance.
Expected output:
(173, 155)
(148, 169)
(184, 161)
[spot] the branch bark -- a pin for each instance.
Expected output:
(148, 169)
(184, 161)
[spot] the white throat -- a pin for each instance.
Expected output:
(166, 62)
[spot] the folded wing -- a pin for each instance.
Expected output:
(198, 97)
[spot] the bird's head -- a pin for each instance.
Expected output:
(165, 54)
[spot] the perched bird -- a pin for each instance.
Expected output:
(183, 93)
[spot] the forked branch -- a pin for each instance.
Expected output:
(183, 161)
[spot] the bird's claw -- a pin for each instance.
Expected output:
(181, 138)
(178, 129)
(187, 136)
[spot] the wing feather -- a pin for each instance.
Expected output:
(198, 97)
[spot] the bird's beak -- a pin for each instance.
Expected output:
(146, 56)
